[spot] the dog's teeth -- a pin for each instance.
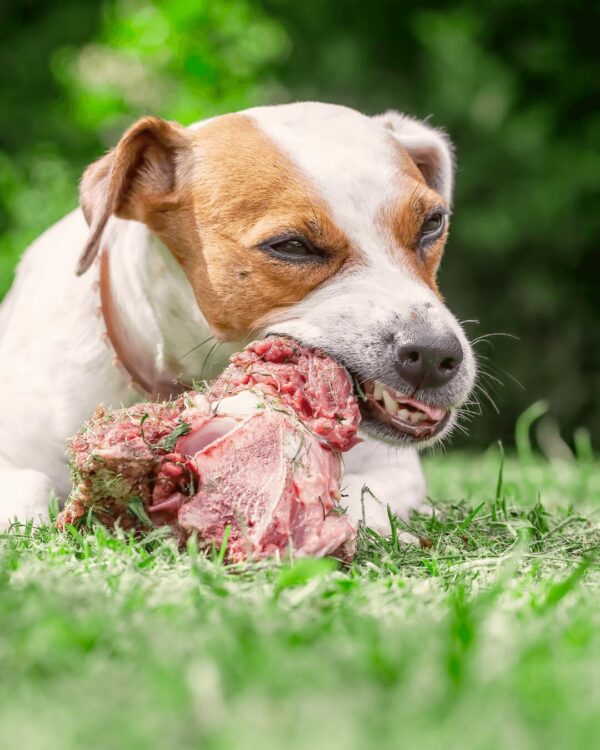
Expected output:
(404, 414)
(378, 391)
(416, 417)
(391, 406)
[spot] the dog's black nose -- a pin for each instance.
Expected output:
(429, 361)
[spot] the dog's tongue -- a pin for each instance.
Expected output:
(434, 413)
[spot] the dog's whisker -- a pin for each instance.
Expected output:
(494, 364)
(484, 393)
(183, 356)
(475, 413)
(212, 349)
(486, 336)
(462, 428)
(491, 377)
(515, 380)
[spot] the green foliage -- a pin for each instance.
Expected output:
(178, 59)
(136, 507)
(184, 60)
(485, 637)
(168, 443)
(512, 83)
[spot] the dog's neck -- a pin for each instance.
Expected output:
(153, 303)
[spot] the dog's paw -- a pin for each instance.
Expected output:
(423, 508)
(26, 495)
(368, 497)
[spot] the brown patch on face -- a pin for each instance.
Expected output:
(238, 190)
(404, 219)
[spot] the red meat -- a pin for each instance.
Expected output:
(255, 458)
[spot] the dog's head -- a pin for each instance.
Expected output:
(314, 221)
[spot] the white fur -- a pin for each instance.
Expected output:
(377, 475)
(432, 145)
(56, 369)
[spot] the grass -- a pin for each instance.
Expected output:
(487, 637)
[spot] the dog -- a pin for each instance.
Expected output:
(307, 220)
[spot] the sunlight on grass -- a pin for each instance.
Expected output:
(486, 636)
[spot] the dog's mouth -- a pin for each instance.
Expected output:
(411, 418)
(387, 413)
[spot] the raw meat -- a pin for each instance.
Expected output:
(254, 460)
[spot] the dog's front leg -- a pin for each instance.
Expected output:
(377, 476)
(25, 495)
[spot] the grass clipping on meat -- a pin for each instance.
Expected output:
(252, 462)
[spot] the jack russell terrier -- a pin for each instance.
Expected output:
(305, 219)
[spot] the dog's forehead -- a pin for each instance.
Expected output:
(268, 169)
(353, 162)
(333, 145)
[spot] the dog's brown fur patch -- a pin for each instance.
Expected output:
(216, 193)
(404, 219)
(237, 190)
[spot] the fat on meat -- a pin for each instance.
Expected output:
(252, 462)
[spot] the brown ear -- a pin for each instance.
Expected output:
(133, 180)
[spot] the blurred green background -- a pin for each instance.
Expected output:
(514, 83)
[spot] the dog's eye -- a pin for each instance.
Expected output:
(433, 227)
(292, 249)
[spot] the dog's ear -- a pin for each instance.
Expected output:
(430, 148)
(135, 179)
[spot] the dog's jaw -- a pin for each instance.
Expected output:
(355, 318)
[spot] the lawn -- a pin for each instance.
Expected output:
(488, 636)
